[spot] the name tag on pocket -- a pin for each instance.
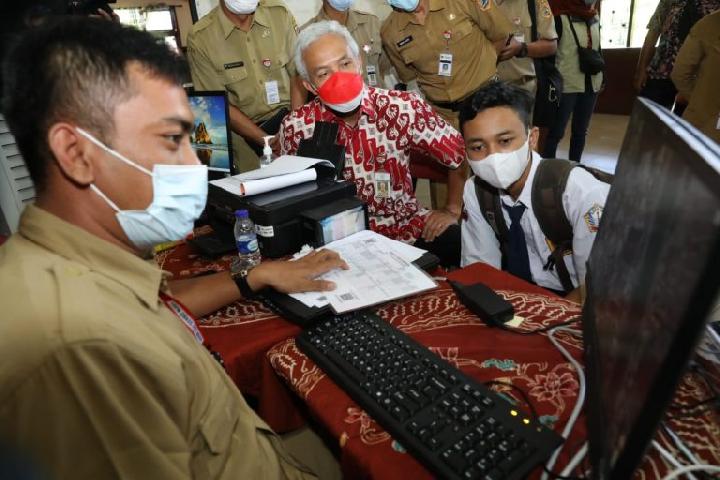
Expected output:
(445, 65)
(272, 92)
(382, 184)
(228, 66)
(372, 75)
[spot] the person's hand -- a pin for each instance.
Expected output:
(275, 144)
(510, 50)
(101, 13)
(437, 222)
(639, 81)
(296, 276)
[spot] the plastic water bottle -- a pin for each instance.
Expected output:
(246, 241)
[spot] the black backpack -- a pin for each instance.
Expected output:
(548, 187)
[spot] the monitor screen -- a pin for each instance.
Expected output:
(210, 137)
(653, 275)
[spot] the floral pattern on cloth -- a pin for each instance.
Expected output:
(667, 19)
(392, 125)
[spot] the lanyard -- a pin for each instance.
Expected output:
(188, 320)
(184, 315)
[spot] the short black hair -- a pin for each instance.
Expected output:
(497, 94)
(75, 69)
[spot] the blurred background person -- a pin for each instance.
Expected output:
(696, 75)
(670, 24)
(578, 28)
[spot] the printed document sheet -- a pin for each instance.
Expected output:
(380, 271)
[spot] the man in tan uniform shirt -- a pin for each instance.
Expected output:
(250, 57)
(696, 75)
(98, 378)
(449, 46)
(516, 59)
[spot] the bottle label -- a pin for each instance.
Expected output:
(246, 247)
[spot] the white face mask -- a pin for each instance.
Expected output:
(179, 195)
(341, 5)
(502, 169)
(241, 7)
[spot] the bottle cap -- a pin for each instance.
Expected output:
(266, 149)
(241, 213)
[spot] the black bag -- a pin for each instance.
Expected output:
(591, 61)
(549, 81)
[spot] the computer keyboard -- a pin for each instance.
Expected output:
(455, 426)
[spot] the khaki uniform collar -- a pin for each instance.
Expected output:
(260, 17)
(140, 276)
(406, 18)
(354, 19)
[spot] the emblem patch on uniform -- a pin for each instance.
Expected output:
(592, 218)
(266, 62)
(233, 65)
(266, 33)
(484, 5)
(404, 41)
(545, 9)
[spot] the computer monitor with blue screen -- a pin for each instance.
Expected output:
(653, 277)
(211, 137)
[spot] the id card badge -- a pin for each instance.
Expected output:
(519, 37)
(445, 65)
(372, 75)
(382, 184)
(272, 92)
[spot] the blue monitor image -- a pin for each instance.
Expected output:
(210, 137)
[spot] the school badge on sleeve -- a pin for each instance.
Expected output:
(484, 5)
(592, 218)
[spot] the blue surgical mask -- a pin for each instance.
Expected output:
(407, 5)
(341, 5)
(179, 196)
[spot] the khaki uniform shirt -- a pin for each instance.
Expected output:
(223, 57)
(414, 50)
(521, 71)
(98, 379)
(365, 29)
(696, 75)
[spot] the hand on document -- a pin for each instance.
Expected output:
(299, 275)
(379, 270)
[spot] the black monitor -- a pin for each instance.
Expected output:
(211, 137)
(653, 276)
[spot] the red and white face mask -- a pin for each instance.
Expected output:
(342, 92)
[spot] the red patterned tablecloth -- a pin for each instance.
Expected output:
(532, 363)
(256, 344)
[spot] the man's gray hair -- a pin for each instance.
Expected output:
(312, 33)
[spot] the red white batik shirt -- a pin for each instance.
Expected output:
(377, 153)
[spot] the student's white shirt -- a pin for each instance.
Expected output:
(583, 201)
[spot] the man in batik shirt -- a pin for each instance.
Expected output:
(379, 129)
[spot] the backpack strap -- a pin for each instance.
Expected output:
(533, 20)
(491, 209)
(548, 188)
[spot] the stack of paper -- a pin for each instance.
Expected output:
(380, 271)
(283, 172)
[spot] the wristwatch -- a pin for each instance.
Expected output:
(523, 50)
(240, 279)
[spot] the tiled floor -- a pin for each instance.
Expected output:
(602, 148)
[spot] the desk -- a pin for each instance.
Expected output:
(531, 363)
(256, 343)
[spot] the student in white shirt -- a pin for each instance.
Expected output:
(495, 124)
